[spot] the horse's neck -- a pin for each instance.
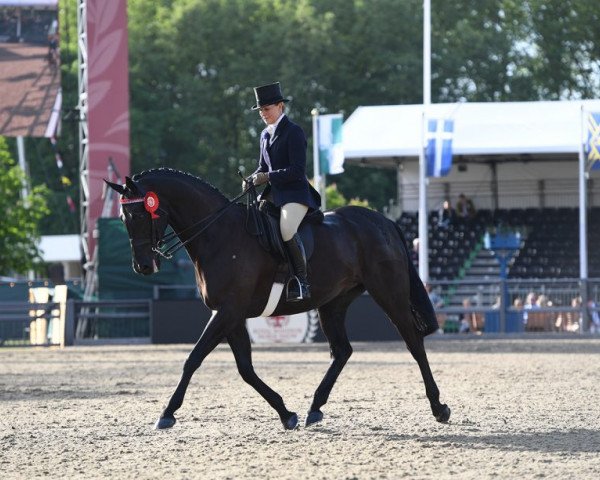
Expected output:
(196, 209)
(190, 203)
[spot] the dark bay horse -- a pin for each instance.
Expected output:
(356, 249)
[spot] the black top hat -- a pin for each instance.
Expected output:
(268, 95)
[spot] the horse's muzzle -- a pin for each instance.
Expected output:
(147, 267)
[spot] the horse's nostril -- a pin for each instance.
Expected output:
(146, 269)
(143, 268)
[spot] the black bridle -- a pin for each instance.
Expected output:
(171, 243)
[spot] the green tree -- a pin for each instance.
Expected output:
(193, 64)
(335, 199)
(20, 217)
(566, 44)
(504, 50)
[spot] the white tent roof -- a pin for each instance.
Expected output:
(480, 129)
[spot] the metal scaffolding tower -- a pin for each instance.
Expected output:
(82, 106)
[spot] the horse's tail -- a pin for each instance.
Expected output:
(422, 309)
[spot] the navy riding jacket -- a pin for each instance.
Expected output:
(287, 172)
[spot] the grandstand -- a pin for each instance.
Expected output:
(549, 249)
(523, 166)
(547, 262)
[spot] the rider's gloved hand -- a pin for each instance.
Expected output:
(260, 178)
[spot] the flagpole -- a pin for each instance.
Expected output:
(423, 231)
(583, 253)
(316, 169)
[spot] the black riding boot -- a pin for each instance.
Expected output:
(297, 287)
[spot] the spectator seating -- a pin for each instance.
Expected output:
(450, 247)
(550, 248)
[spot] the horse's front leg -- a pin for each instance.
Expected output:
(219, 325)
(239, 341)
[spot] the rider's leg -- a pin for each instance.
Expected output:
(291, 216)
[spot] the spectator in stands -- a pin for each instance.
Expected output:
(544, 319)
(465, 208)
(414, 253)
(468, 320)
(543, 301)
(438, 302)
(497, 303)
(53, 43)
(446, 214)
(568, 321)
(530, 303)
(574, 318)
(518, 303)
(594, 316)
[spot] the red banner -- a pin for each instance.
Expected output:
(108, 98)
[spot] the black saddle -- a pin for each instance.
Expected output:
(262, 221)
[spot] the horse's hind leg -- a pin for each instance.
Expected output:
(332, 317)
(395, 303)
(415, 344)
(219, 325)
(239, 341)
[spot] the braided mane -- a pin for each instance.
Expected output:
(171, 172)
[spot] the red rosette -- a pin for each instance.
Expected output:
(151, 204)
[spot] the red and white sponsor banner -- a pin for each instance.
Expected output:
(108, 98)
(299, 328)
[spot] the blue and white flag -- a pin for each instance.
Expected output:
(331, 151)
(439, 147)
(592, 146)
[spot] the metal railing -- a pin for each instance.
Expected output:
(501, 306)
(114, 321)
(570, 306)
(175, 292)
(30, 324)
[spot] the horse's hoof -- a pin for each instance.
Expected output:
(291, 423)
(164, 422)
(444, 415)
(313, 417)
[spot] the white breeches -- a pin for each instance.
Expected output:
(291, 216)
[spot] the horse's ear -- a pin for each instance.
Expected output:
(131, 186)
(116, 187)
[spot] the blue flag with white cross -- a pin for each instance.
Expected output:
(438, 152)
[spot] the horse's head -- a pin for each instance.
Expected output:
(145, 222)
